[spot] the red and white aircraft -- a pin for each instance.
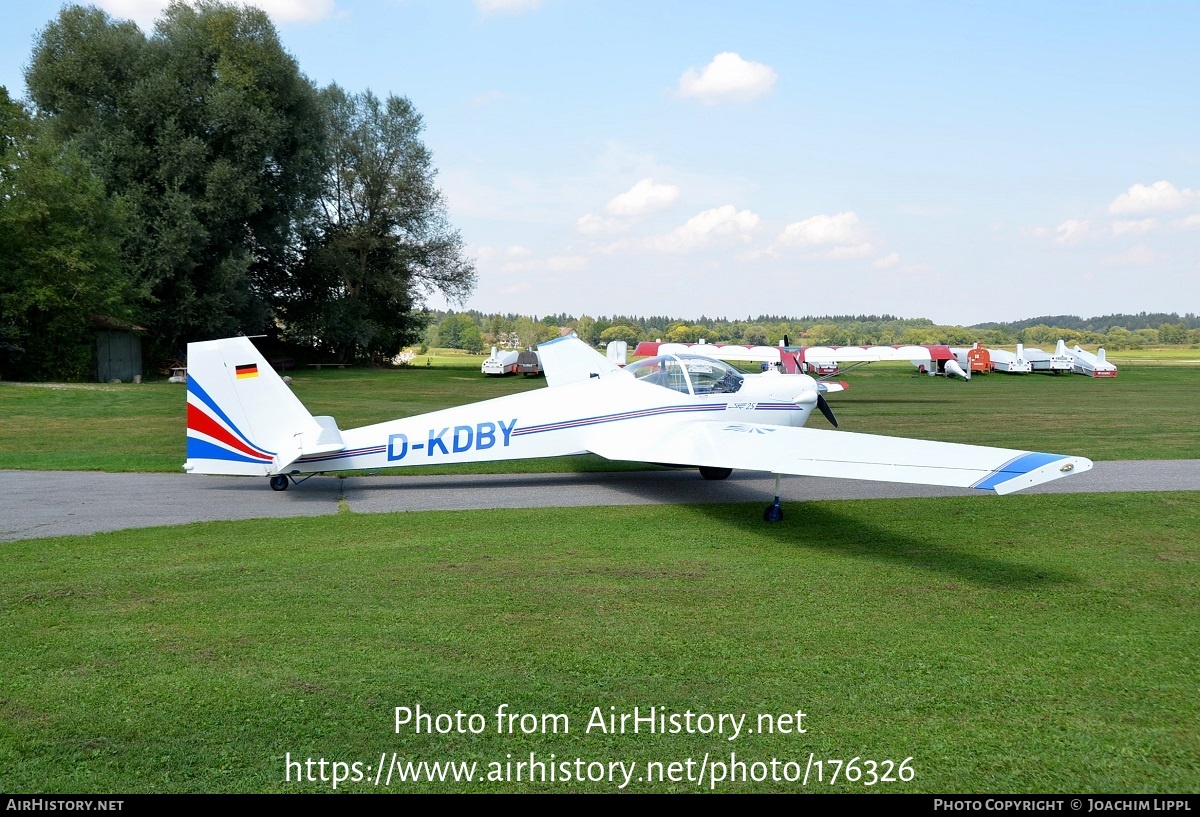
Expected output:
(675, 408)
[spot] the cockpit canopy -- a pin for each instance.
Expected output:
(688, 374)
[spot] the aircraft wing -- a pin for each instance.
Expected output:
(841, 454)
(863, 354)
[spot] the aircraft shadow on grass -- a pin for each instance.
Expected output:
(818, 527)
(812, 524)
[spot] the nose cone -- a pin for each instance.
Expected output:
(808, 397)
(806, 389)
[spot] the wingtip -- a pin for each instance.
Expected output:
(1056, 468)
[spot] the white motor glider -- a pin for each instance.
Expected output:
(675, 408)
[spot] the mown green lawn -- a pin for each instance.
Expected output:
(1004, 644)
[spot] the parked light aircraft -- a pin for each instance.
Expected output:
(823, 361)
(675, 408)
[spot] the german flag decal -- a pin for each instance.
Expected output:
(248, 370)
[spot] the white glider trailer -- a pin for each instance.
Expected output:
(1010, 363)
(1057, 363)
(501, 363)
(1092, 365)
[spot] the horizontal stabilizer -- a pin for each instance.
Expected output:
(570, 360)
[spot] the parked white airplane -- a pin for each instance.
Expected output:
(685, 409)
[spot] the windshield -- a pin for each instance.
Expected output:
(688, 374)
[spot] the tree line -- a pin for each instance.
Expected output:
(192, 183)
(475, 331)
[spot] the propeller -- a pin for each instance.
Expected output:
(823, 405)
(811, 396)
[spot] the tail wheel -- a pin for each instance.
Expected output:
(279, 482)
(714, 473)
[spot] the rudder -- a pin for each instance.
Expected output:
(242, 419)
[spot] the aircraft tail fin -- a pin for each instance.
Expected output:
(242, 418)
(569, 360)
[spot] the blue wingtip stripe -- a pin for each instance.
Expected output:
(1016, 467)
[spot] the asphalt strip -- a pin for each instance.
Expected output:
(35, 504)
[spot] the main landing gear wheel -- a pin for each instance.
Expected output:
(714, 473)
(279, 482)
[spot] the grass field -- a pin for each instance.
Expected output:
(1003, 644)
(1054, 655)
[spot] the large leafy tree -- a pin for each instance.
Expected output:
(382, 241)
(212, 138)
(60, 268)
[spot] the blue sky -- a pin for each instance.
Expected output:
(962, 161)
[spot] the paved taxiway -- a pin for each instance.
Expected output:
(59, 503)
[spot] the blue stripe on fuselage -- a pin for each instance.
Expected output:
(612, 418)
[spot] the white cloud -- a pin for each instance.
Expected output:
(1190, 223)
(843, 234)
(1140, 227)
(844, 228)
(702, 228)
(1143, 198)
(855, 251)
(482, 100)
(728, 78)
(889, 260)
(1139, 256)
(293, 11)
(643, 198)
(145, 12)
(592, 224)
(518, 259)
(1072, 231)
(142, 12)
(489, 7)
(566, 263)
